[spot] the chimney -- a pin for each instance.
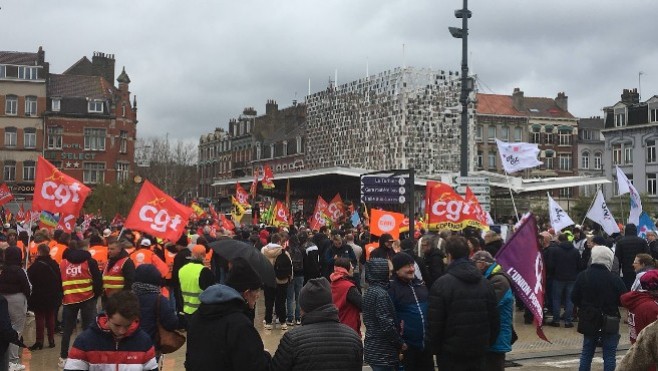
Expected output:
(630, 96)
(562, 101)
(517, 100)
(271, 107)
(103, 65)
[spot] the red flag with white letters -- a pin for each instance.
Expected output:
(67, 223)
(5, 194)
(57, 192)
(158, 214)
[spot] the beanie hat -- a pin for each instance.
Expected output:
(314, 294)
(148, 273)
(649, 280)
(602, 255)
(400, 260)
(407, 244)
(242, 276)
(483, 256)
(599, 240)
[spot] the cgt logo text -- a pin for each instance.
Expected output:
(451, 209)
(159, 218)
(60, 193)
(386, 223)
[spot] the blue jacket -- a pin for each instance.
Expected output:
(411, 302)
(147, 321)
(505, 299)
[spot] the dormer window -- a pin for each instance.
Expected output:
(620, 117)
(28, 73)
(95, 106)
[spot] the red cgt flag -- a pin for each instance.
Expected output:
(158, 214)
(57, 192)
(241, 195)
(5, 194)
(268, 177)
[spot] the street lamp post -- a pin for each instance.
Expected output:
(466, 83)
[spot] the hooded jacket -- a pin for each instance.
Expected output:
(320, 344)
(221, 336)
(382, 342)
(410, 300)
(77, 256)
(627, 248)
(46, 284)
(565, 262)
(501, 284)
(463, 317)
(97, 349)
(642, 310)
(271, 252)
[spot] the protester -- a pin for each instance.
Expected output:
(492, 242)
(114, 340)
(312, 267)
(626, 249)
(15, 287)
(432, 259)
(653, 243)
(297, 256)
(182, 257)
(409, 295)
(408, 246)
(7, 336)
(346, 294)
(338, 249)
(321, 343)
(276, 296)
(358, 253)
(641, 304)
(641, 264)
(385, 249)
(119, 273)
(221, 336)
(194, 277)
(464, 321)
(597, 291)
(643, 355)
(495, 356)
(46, 280)
(382, 343)
(98, 251)
(563, 265)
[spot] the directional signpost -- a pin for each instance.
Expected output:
(480, 188)
(390, 187)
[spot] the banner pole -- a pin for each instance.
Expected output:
(509, 184)
(591, 204)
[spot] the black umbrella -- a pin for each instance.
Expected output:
(230, 249)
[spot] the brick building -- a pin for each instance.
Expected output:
(215, 160)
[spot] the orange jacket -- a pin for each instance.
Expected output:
(57, 251)
(99, 253)
(146, 256)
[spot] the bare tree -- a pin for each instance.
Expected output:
(171, 168)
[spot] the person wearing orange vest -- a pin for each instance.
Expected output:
(144, 255)
(81, 284)
(57, 251)
(39, 238)
(98, 251)
(119, 273)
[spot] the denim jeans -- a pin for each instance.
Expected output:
(87, 311)
(294, 288)
(609, 342)
(560, 290)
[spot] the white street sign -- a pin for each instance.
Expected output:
(473, 180)
(475, 189)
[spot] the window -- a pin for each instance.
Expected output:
(479, 160)
(550, 138)
(653, 113)
(11, 105)
(550, 163)
(95, 106)
(565, 138)
(628, 154)
(299, 144)
(30, 138)
(564, 161)
(565, 192)
(28, 73)
(651, 184)
(94, 139)
(28, 170)
(123, 141)
(598, 161)
(478, 132)
(504, 133)
(56, 105)
(30, 106)
(123, 172)
(93, 172)
(9, 172)
(616, 154)
(55, 137)
(518, 134)
(585, 160)
(651, 151)
(491, 133)
(535, 137)
(492, 160)
(3, 71)
(620, 117)
(10, 137)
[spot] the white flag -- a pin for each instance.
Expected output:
(559, 218)
(625, 186)
(600, 214)
(518, 156)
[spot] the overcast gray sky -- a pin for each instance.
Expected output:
(194, 65)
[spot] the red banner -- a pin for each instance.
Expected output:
(118, 220)
(20, 214)
(281, 215)
(446, 209)
(335, 209)
(66, 223)
(268, 177)
(158, 214)
(318, 219)
(5, 194)
(477, 216)
(254, 185)
(382, 221)
(57, 192)
(241, 195)
(226, 224)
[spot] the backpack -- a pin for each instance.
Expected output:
(297, 257)
(283, 266)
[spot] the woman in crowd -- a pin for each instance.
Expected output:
(15, 287)
(46, 295)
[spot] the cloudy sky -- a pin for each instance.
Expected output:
(194, 65)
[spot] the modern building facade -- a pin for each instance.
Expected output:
(631, 133)
(591, 147)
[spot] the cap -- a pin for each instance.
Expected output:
(483, 256)
(649, 280)
(145, 242)
(107, 232)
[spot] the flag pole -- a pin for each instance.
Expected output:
(27, 248)
(509, 184)
(591, 204)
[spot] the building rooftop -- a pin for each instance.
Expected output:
(495, 104)
(93, 87)
(20, 58)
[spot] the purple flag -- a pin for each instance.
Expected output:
(522, 260)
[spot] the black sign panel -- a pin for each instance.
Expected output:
(384, 189)
(382, 200)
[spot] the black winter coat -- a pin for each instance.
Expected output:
(463, 312)
(147, 310)
(46, 284)
(565, 262)
(598, 288)
(627, 247)
(7, 333)
(13, 280)
(320, 344)
(435, 267)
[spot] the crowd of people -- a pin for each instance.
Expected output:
(429, 299)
